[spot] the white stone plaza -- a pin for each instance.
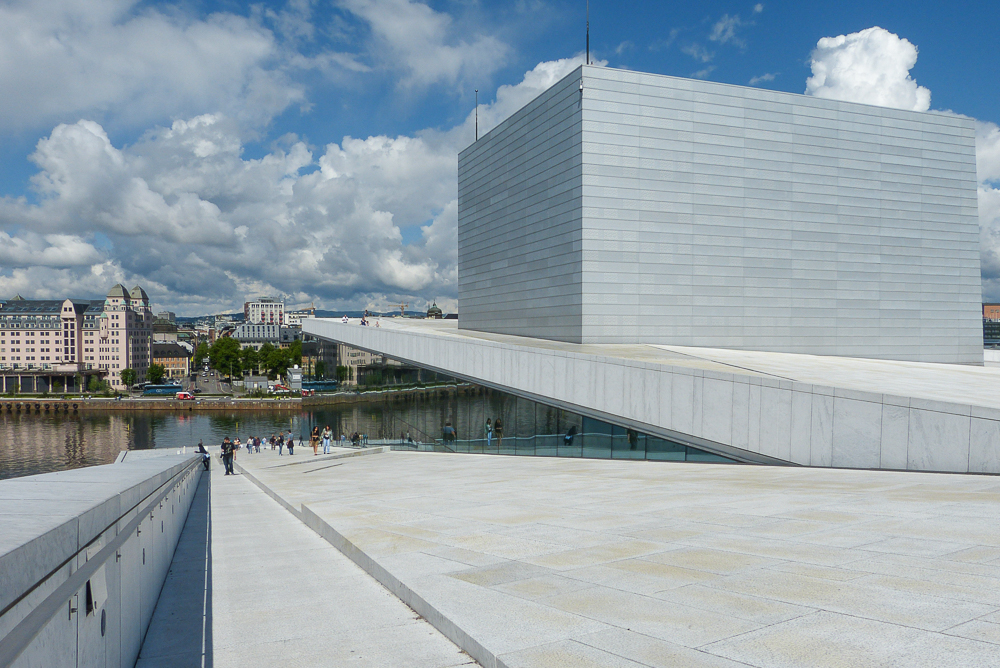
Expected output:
(775, 279)
(538, 562)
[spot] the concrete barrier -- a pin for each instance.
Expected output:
(83, 555)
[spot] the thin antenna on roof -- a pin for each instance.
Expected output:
(477, 114)
(588, 32)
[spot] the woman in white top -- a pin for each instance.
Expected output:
(327, 433)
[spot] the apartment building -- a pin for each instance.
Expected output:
(175, 359)
(265, 311)
(51, 337)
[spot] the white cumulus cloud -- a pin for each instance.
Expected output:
(871, 66)
(988, 152)
(357, 223)
(988, 170)
(425, 44)
(131, 62)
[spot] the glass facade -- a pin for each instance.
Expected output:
(517, 426)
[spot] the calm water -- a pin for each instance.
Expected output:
(33, 443)
(41, 443)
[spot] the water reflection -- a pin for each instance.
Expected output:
(33, 443)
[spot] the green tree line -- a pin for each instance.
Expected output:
(226, 357)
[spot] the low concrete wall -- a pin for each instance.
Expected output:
(83, 555)
(746, 416)
(36, 405)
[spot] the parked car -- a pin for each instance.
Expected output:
(185, 395)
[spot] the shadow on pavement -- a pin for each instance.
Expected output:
(180, 633)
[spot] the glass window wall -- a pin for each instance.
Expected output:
(492, 422)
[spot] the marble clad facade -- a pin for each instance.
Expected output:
(623, 207)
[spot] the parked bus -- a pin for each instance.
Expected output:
(320, 385)
(161, 390)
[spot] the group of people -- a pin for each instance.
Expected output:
(326, 439)
(449, 434)
(230, 447)
(365, 322)
(279, 441)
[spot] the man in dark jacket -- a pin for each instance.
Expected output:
(228, 454)
(205, 457)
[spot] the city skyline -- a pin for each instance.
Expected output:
(316, 158)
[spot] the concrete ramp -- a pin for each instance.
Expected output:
(530, 562)
(251, 585)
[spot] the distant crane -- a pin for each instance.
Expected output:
(402, 308)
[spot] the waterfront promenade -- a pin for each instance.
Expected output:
(250, 585)
(559, 562)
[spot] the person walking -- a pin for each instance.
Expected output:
(568, 438)
(327, 433)
(279, 448)
(206, 459)
(228, 454)
(489, 433)
(498, 432)
(448, 433)
(314, 440)
(291, 444)
(256, 443)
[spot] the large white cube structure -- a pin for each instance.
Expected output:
(623, 207)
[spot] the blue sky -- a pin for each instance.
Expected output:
(213, 151)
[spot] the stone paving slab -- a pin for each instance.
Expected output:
(277, 595)
(557, 562)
